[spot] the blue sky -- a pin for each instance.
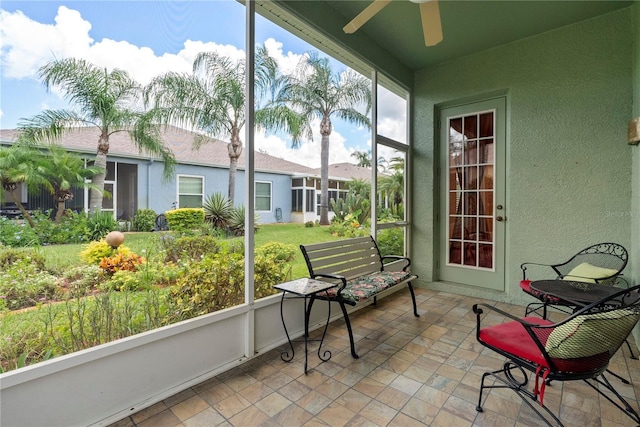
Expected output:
(146, 38)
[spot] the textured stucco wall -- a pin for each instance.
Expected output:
(635, 225)
(569, 94)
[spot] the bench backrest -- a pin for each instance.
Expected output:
(349, 258)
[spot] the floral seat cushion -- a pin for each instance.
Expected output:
(364, 287)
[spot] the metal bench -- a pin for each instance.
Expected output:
(360, 270)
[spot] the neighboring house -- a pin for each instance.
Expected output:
(285, 191)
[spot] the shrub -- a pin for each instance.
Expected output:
(100, 224)
(10, 256)
(15, 234)
(73, 228)
(144, 220)
(349, 228)
(215, 283)
(120, 261)
(272, 266)
(23, 283)
(391, 241)
(124, 281)
(189, 248)
(95, 251)
(309, 224)
(184, 219)
(280, 252)
(80, 281)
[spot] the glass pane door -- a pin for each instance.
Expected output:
(471, 192)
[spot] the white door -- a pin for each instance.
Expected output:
(472, 194)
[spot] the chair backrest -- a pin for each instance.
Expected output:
(598, 262)
(586, 340)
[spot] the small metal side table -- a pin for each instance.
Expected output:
(304, 288)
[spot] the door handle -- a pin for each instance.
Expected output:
(500, 218)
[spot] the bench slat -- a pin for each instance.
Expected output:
(363, 257)
(347, 242)
(342, 250)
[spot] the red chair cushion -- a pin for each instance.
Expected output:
(512, 338)
(526, 285)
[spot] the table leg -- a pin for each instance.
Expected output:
(327, 354)
(324, 356)
(285, 354)
(306, 333)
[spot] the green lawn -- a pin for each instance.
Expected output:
(295, 234)
(62, 257)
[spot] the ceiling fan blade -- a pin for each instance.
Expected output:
(365, 15)
(431, 25)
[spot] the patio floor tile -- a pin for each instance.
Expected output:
(422, 371)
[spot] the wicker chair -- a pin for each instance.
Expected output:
(600, 263)
(577, 348)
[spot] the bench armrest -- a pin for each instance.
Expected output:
(397, 258)
(335, 277)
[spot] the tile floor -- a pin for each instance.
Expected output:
(411, 372)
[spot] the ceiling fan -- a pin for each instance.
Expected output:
(429, 11)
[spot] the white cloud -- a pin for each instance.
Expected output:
(308, 153)
(26, 44)
(287, 62)
(392, 115)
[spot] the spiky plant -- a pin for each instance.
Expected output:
(217, 210)
(236, 221)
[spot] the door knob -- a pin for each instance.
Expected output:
(500, 219)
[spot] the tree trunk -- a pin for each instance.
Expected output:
(235, 149)
(325, 131)
(59, 212)
(61, 197)
(22, 209)
(95, 200)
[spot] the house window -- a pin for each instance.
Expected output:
(296, 200)
(190, 191)
(311, 196)
(263, 196)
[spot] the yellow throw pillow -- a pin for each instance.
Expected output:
(586, 272)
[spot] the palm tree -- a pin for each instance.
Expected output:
(65, 171)
(316, 92)
(272, 110)
(212, 100)
(392, 185)
(363, 158)
(105, 100)
(19, 165)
